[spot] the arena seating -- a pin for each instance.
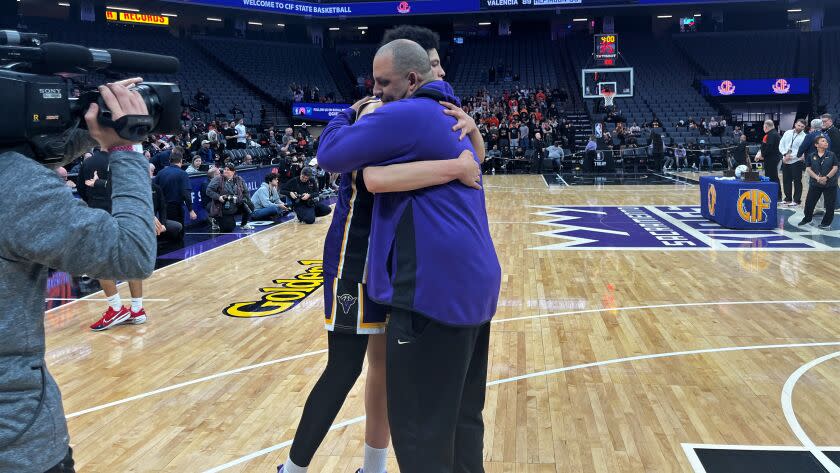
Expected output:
(272, 66)
(829, 82)
(743, 54)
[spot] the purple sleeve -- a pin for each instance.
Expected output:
(382, 136)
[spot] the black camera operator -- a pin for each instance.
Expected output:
(41, 222)
(304, 193)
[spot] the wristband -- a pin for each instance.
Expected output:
(121, 148)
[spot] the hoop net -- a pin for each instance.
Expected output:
(608, 98)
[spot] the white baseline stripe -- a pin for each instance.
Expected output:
(194, 381)
(498, 321)
(790, 415)
(660, 306)
(548, 372)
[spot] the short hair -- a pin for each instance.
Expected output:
(816, 123)
(408, 57)
(230, 166)
(802, 121)
(821, 137)
(827, 116)
(426, 38)
(176, 155)
(271, 176)
(769, 123)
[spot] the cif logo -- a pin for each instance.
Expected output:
(403, 7)
(752, 205)
(781, 86)
(712, 197)
(300, 111)
(726, 88)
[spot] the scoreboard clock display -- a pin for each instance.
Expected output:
(606, 49)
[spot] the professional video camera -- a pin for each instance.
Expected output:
(44, 122)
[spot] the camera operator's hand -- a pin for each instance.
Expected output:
(121, 100)
(305, 197)
(158, 227)
(90, 182)
(222, 198)
(470, 174)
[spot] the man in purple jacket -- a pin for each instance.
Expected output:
(430, 259)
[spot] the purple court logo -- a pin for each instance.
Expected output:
(649, 227)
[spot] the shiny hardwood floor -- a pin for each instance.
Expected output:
(187, 395)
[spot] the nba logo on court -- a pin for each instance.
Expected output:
(752, 204)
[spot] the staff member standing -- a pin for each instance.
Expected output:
(770, 153)
(175, 184)
(792, 163)
(822, 168)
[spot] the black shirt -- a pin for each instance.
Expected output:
(770, 146)
(298, 187)
(822, 166)
(98, 196)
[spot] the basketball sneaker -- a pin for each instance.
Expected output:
(137, 318)
(111, 318)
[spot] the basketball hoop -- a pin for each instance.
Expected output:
(608, 96)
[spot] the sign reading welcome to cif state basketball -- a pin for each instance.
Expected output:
(327, 10)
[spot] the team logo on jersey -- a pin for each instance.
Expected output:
(752, 204)
(403, 7)
(347, 302)
(712, 195)
(781, 86)
(284, 295)
(726, 88)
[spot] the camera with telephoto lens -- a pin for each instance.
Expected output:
(44, 122)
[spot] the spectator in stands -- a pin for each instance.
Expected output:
(680, 156)
(635, 129)
(556, 154)
(792, 165)
(163, 227)
(514, 135)
(248, 160)
(235, 111)
(241, 134)
(176, 187)
(206, 153)
(267, 203)
(202, 100)
(737, 133)
(249, 142)
(229, 196)
(704, 157)
(770, 153)
(195, 165)
(822, 169)
(229, 134)
(62, 173)
(304, 192)
(524, 135)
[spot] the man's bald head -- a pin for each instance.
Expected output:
(408, 56)
(399, 69)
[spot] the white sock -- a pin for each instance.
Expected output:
(375, 459)
(136, 304)
(290, 467)
(115, 302)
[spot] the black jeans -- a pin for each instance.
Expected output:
(227, 222)
(346, 355)
(814, 194)
(175, 211)
(792, 174)
(64, 466)
(436, 381)
(771, 170)
(307, 214)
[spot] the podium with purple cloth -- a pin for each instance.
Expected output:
(739, 205)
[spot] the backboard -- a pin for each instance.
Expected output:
(595, 81)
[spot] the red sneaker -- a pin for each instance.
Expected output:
(111, 318)
(137, 318)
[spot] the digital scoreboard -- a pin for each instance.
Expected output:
(606, 49)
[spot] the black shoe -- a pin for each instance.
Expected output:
(804, 222)
(824, 227)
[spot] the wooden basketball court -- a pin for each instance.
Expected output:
(602, 360)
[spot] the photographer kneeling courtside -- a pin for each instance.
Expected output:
(304, 194)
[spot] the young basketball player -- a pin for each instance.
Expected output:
(355, 323)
